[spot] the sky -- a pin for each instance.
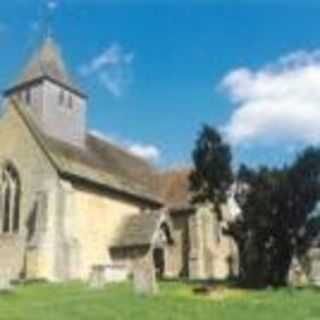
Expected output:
(156, 71)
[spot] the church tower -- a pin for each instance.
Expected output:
(46, 88)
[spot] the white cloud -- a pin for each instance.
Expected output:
(280, 103)
(112, 67)
(145, 151)
(52, 5)
(103, 136)
(148, 152)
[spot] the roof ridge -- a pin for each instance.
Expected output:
(123, 150)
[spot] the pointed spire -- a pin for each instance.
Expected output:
(47, 63)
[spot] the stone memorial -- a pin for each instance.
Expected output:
(116, 273)
(144, 278)
(5, 282)
(314, 266)
(297, 277)
(97, 279)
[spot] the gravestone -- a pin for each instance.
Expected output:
(144, 278)
(297, 277)
(116, 273)
(97, 279)
(5, 282)
(314, 266)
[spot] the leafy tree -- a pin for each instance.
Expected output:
(278, 206)
(212, 174)
(262, 228)
(305, 189)
(275, 222)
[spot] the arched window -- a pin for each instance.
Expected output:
(10, 196)
(28, 96)
(61, 97)
(70, 102)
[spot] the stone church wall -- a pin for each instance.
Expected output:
(90, 227)
(178, 254)
(201, 249)
(214, 254)
(11, 256)
(35, 174)
(42, 244)
(63, 121)
(36, 99)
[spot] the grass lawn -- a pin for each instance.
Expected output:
(175, 301)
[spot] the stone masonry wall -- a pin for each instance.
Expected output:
(213, 254)
(178, 253)
(35, 173)
(89, 224)
(11, 256)
(62, 121)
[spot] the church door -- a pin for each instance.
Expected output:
(159, 261)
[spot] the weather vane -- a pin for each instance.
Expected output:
(51, 6)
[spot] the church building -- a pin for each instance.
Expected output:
(71, 201)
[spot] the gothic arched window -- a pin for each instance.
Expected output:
(28, 96)
(10, 199)
(70, 102)
(61, 97)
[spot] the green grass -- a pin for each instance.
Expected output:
(175, 301)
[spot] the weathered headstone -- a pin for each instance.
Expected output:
(116, 273)
(144, 278)
(297, 277)
(314, 266)
(97, 279)
(5, 282)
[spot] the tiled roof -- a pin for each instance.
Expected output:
(174, 187)
(140, 229)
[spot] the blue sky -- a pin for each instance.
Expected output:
(156, 71)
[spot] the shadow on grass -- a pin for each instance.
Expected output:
(209, 285)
